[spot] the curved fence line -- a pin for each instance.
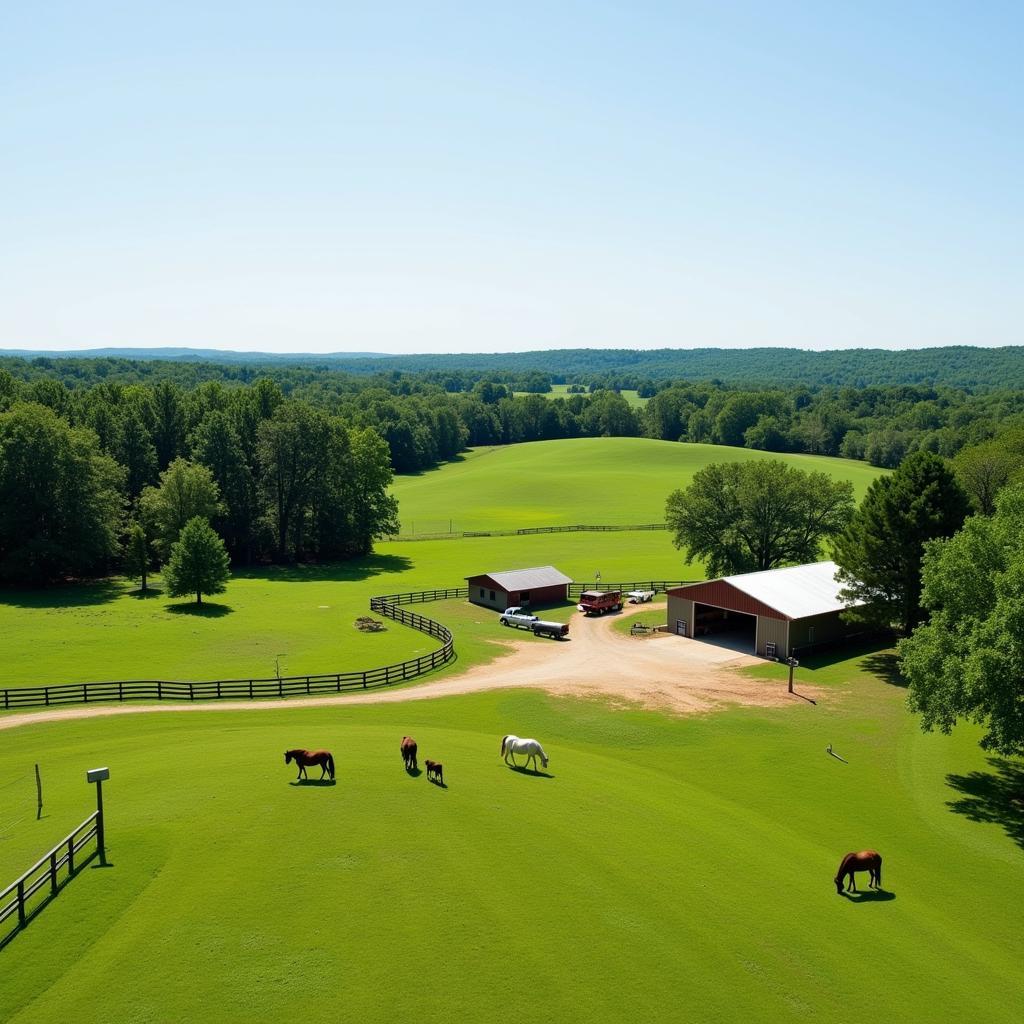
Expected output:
(388, 605)
(524, 532)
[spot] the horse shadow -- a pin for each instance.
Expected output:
(438, 783)
(532, 772)
(313, 782)
(414, 773)
(870, 896)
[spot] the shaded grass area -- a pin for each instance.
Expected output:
(661, 868)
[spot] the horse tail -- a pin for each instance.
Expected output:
(504, 740)
(330, 764)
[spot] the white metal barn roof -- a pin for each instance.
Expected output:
(796, 591)
(527, 579)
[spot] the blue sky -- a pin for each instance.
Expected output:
(430, 177)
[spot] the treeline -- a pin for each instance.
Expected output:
(277, 478)
(954, 366)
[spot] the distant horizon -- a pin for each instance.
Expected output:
(452, 179)
(18, 351)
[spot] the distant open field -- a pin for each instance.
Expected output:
(562, 391)
(664, 869)
(302, 618)
(594, 480)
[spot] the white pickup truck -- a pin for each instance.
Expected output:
(522, 619)
(640, 596)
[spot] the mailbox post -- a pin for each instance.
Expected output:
(792, 663)
(97, 775)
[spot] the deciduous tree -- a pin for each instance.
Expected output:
(879, 554)
(967, 661)
(748, 516)
(199, 562)
(186, 490)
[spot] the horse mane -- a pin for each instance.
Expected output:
(842, 864)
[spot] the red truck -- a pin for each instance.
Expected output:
(597, 602)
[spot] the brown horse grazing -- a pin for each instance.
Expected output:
(866, 860)
(304, 758)
(435, 771)
(408, 749)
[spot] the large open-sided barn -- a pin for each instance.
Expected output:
(775, 613)
(500, 590)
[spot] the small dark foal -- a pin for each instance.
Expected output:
(435, 771)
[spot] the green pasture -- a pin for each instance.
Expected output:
(562, 391)
(663, 869)
(594, 480)
(304, 614)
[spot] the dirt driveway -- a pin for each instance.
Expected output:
(666, 672)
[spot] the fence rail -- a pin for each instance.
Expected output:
(388, 605)
(46, 871)
(526, 531)
(658, 586)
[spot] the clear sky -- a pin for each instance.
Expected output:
(432, 176)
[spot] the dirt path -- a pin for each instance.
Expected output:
(665, 672)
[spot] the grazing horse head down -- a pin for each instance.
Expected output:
(304, 758)
(865, 860)
(529, 748)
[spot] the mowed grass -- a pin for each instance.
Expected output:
(302, 618)
(632, 398)
(665, 869)
(304, 614)
(595, 481)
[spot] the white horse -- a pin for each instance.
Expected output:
(530, 749)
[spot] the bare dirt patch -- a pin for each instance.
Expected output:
(668, 673)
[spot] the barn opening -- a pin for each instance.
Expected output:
(723, 627)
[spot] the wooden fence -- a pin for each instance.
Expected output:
(526, 531)
(253, 689)
(388, 605)
(46, 872)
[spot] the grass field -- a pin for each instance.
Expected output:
(562, 391)
(302, 618)
(667, 870)
(594, 480)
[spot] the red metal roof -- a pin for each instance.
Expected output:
(725, 595)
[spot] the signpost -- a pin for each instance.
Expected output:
(792, 663)
(97, 775)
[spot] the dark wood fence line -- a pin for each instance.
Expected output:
(388, 605)
(46, 872)
(658, 586)
(253, 689)
(526, 531)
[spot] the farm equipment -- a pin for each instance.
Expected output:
(597, 602)
(554, 630)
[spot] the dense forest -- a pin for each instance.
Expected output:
(955, 366)
(294, 461)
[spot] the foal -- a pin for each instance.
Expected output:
(435, 771)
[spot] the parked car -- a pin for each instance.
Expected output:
(518, 617)
(597, 602)
(640, 596)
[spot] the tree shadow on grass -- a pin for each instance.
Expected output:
(329, 572)
(885, 665)
(996, 797)
(145, 595)
(870, 896)
(203, 611)
(62, 595)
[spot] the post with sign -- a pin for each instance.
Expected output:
(793, 663)
(97, 775)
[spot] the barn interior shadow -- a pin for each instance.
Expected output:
(313, 782)
(870, 896)
(996, 797)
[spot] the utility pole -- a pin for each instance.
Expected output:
(792, 663)
(97, 775)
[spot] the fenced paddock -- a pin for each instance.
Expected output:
(388, 605)
(67, 857)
